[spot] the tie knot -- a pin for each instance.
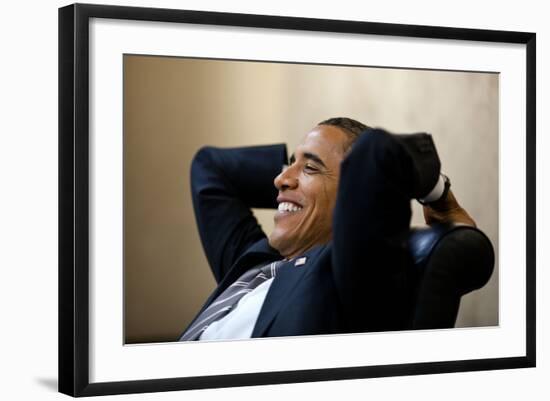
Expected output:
(270, 270)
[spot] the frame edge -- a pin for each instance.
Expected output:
(66, 305)
(73, 280)
(531, 137)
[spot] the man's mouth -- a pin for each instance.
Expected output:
(289, 207)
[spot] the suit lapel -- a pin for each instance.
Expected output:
(258, 253)
(287, 278)
(285, 282)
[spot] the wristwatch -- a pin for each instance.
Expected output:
(439, 192)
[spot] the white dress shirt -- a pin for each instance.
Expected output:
(240, 322)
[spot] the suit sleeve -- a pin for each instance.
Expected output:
(370, 258)
(225, 185)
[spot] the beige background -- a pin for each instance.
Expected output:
(173, 106)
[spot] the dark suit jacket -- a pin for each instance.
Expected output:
(358, 282)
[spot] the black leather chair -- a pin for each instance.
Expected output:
(451, 260)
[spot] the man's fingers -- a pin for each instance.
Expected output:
(447, 211)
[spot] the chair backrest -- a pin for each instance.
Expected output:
(450, 260)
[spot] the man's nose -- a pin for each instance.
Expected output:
(287, 179)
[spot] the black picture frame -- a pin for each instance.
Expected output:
(74, 191)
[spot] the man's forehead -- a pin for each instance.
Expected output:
(324, 140)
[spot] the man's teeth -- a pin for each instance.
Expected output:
(288, 207)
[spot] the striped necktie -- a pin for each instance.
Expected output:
(228, 299)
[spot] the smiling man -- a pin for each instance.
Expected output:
(307, 192)
(336, 260)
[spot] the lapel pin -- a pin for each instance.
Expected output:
(300, 261)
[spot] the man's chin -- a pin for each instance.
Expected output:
(278, 241)
(273, 241)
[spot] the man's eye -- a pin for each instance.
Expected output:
(310, 167)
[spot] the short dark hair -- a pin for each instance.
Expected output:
(351, 127)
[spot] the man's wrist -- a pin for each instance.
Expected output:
(439, 192)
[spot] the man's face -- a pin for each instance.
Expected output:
(307, 192)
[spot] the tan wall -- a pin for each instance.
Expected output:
(173, 106)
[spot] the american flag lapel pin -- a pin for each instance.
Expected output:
(300, 261)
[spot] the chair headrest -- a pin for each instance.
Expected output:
(462, 255)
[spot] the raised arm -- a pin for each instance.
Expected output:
(226, 183)
(371, 262)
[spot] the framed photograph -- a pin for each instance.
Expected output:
(165, 114)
